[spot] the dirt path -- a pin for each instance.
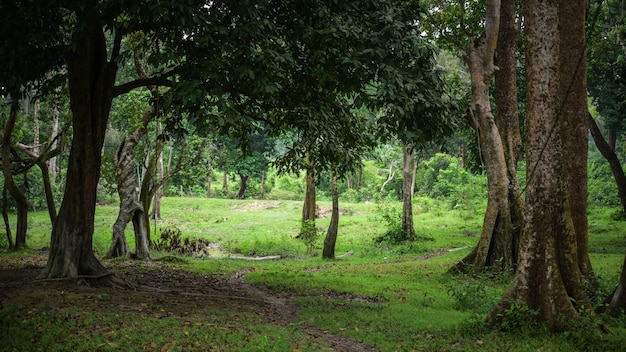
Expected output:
(166, 290)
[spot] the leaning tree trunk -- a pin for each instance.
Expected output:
(544, 281)
(9, 183)
(126, 179)
(241, 194)
(5, 216)
(333, 228)
(495, 246)
(615, 303)
(407, 193)
(91, 82)
(148, 189)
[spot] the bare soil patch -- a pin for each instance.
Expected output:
(163, 291)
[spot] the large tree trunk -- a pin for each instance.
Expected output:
(495, 247)
(615, 303)
(333, 228)
(407, 195)
(9, 183)
(546, 279)
(574, 128)
(91, 82)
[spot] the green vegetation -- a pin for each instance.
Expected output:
(388, 296)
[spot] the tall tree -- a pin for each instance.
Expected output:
(496, 247)
(548, 279)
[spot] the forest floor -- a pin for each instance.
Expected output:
(162, 291)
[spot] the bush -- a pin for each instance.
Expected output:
(602, 187)
(309, 235)
(171, 240)
(441, 176)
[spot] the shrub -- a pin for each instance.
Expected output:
(171, 240)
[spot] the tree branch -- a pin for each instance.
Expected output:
(143, 82)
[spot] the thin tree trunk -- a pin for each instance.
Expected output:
(208, 186)
(225, 184)
(148, 189)
(309, 207)
(5, 216)
(407, 196)
(333, 228)
(241, 194)
(7, 170)
(263, 185)
(390, 176)
(158, 194)
(52, 162)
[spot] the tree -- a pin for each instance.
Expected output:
(408, 162)
(497, 245)
(328, 251)
(548, 279)
(607, 65)
(615, 303)
(9, 183)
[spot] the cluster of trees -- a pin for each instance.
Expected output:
(318, 84)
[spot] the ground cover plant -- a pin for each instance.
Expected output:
(383, 297)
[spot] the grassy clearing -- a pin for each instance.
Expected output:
(393, 298)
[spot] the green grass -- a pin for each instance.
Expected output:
(388, 297)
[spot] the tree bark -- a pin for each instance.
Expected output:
(407, 195)
(508, 124)
(262, 185)
(9, 183)
(91, 82)
(333, 228)
(546, 279)
(241, 194)
(158, 194)
(5, 216)
(574, 128)
(52, 162)
(126, 179)
(495, 248)
(148, 189)
(309, 207)
(225, 184)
